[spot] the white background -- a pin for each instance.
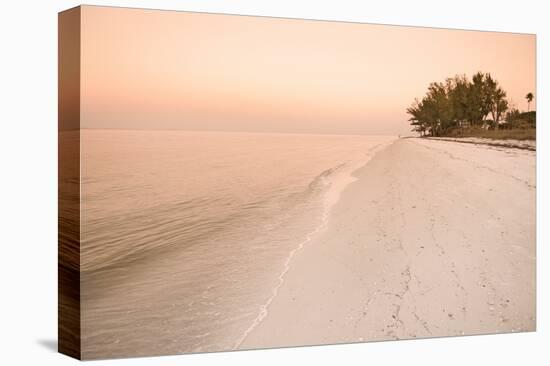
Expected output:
(28, 181)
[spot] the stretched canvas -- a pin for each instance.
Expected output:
(235, 182)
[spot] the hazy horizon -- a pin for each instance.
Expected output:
(164, 70)
(236, 131)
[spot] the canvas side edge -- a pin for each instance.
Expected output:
(69, 49)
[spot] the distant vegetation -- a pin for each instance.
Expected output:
(471, 108)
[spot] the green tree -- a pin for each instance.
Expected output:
(479, 98)
(456, 101)
(529, 98)
(458, 95)
(417, 119)
(499, 104)
(435, 113)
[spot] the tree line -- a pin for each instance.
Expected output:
(459, 102)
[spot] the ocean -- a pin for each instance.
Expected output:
(186, 236)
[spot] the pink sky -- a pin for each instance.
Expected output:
(151, 69)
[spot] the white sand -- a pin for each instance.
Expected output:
(435, 238)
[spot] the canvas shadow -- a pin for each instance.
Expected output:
(50, 344)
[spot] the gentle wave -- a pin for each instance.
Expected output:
(331, 197)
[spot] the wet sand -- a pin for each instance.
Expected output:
(435, 238)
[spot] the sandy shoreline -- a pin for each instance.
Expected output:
(518, 144)
(435, 238)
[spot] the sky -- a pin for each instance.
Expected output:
(152, 69)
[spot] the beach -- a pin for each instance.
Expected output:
(433, 238)
(198, 230)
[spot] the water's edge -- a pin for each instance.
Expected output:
(331, 197)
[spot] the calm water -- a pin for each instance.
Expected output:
(187, 235)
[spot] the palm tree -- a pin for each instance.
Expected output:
(529, 98)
